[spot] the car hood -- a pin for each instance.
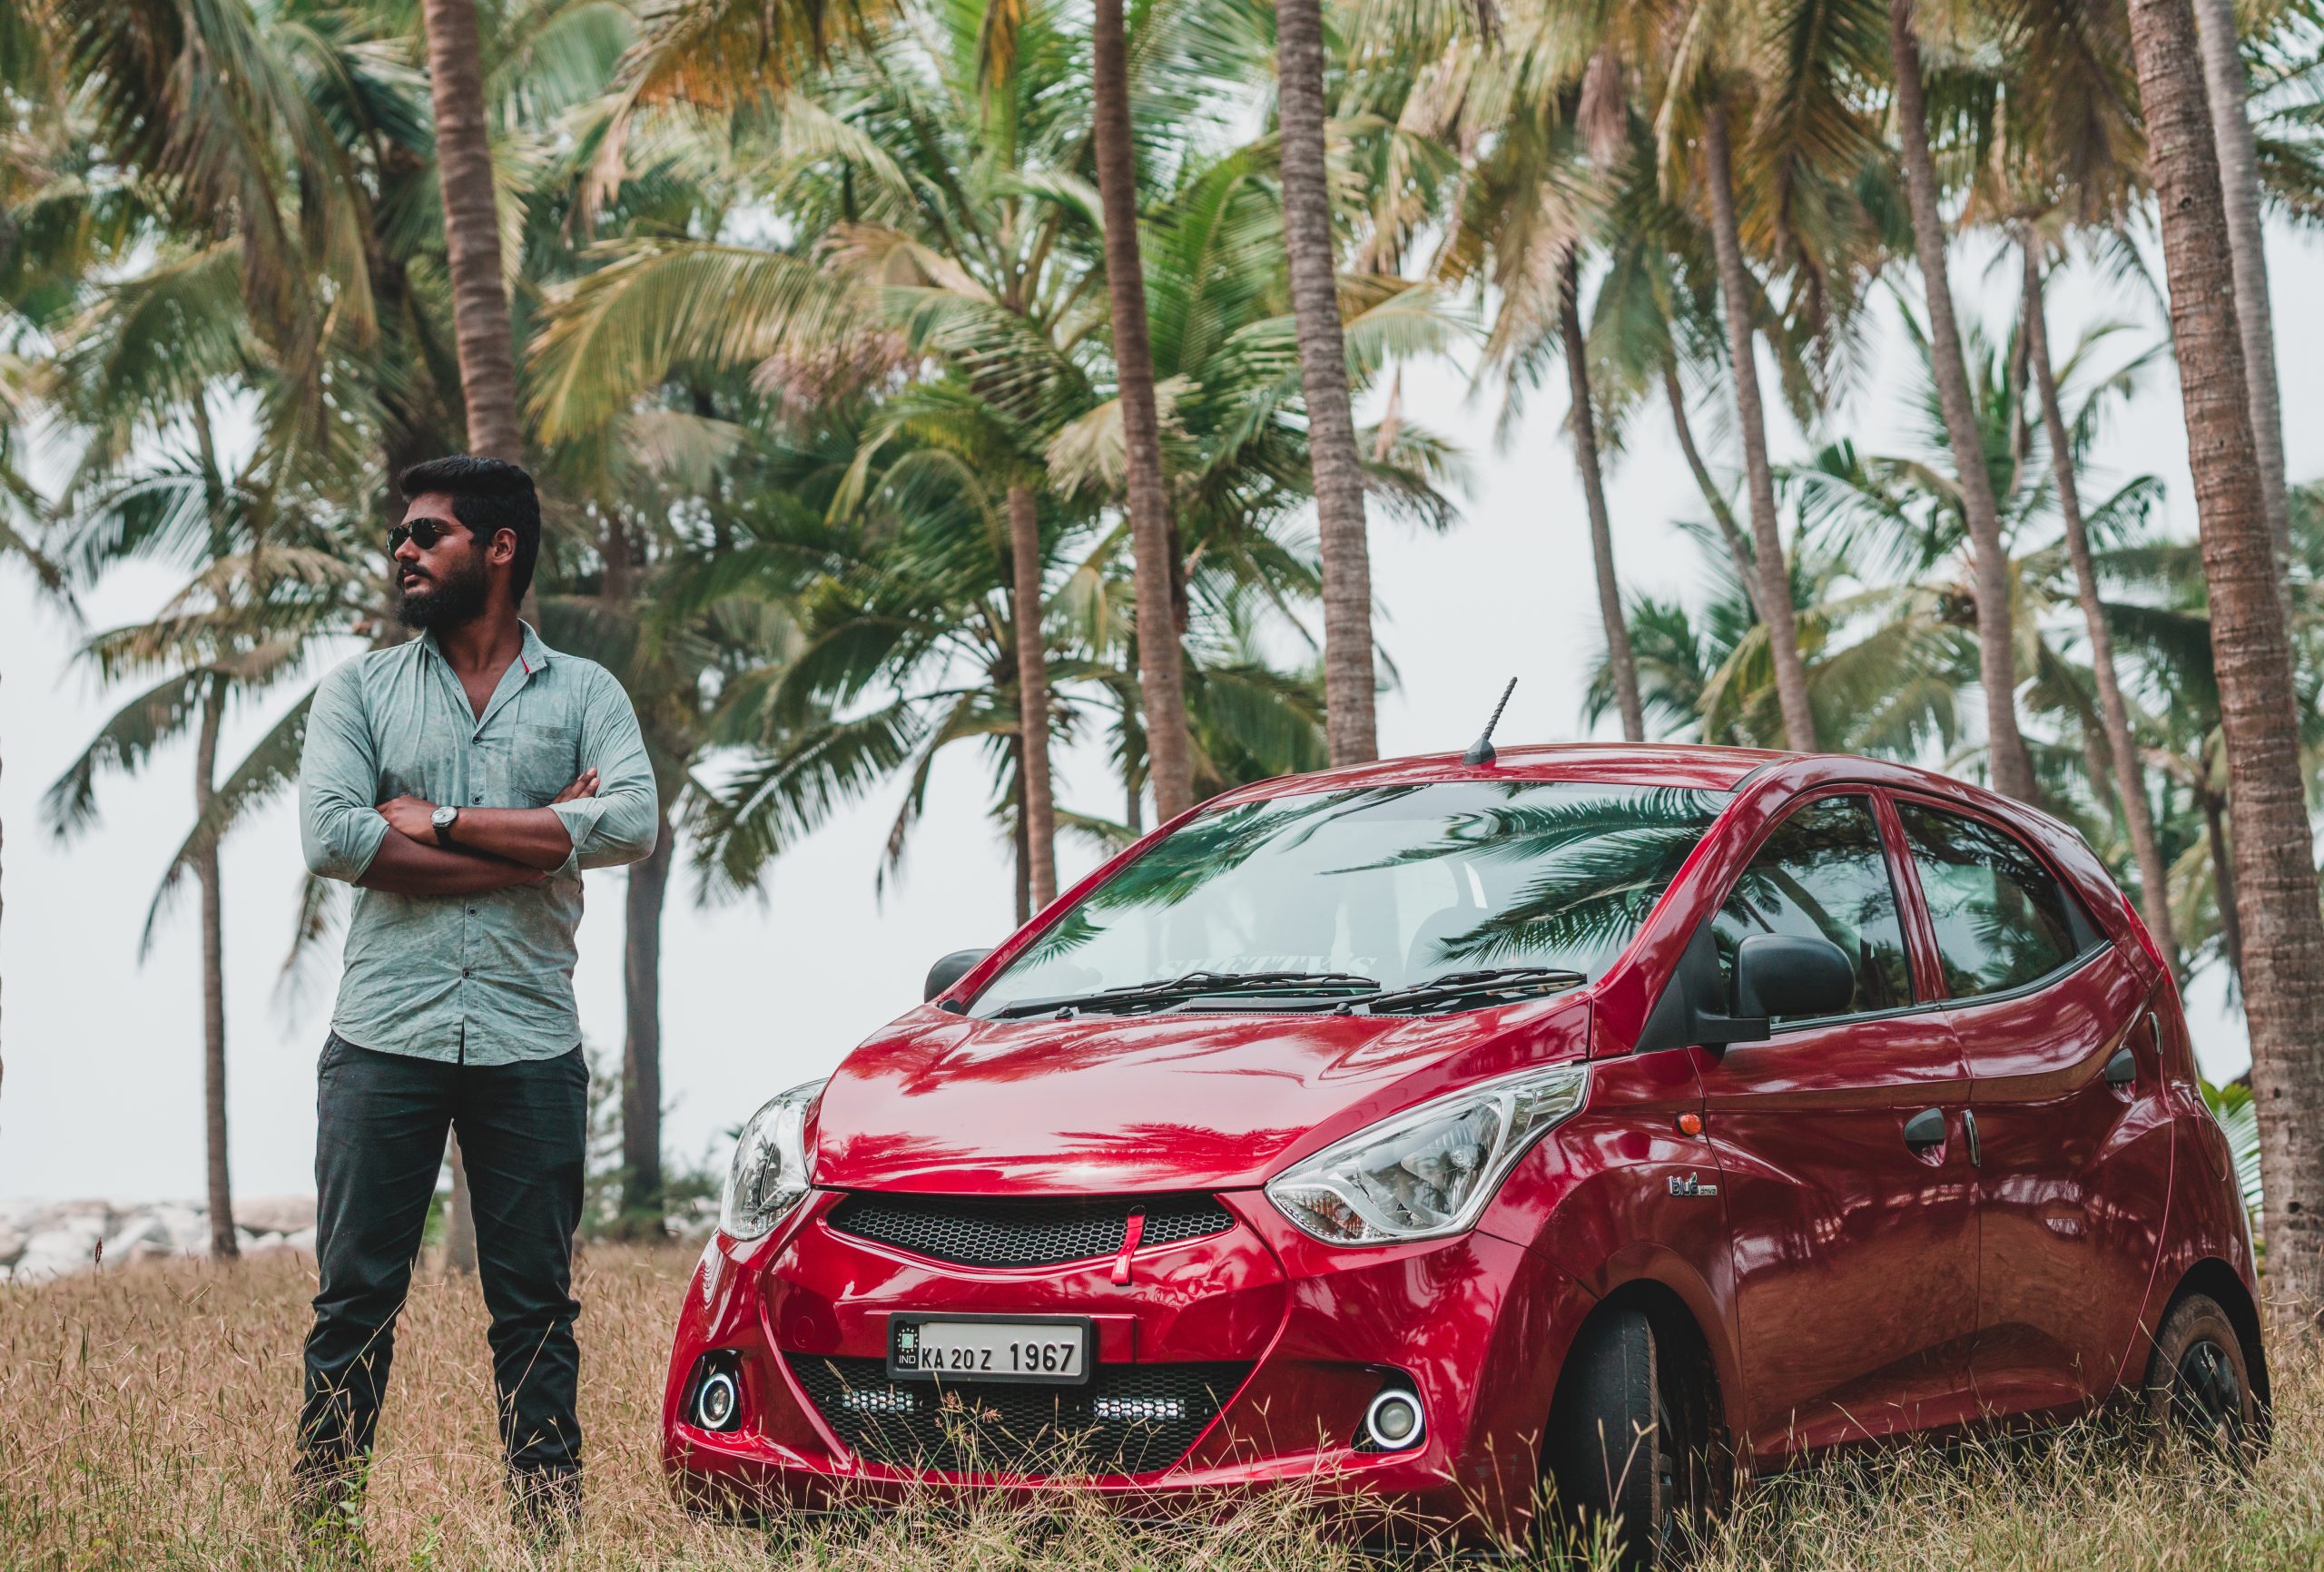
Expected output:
(939, 1104)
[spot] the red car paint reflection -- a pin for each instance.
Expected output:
(1904, 1218)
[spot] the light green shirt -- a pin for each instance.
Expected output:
(474, 980)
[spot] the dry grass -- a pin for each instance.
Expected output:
(145, 1420)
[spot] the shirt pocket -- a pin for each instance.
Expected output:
(543, 760)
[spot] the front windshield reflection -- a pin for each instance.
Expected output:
(1396, 884)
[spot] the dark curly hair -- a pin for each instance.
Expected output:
(489, 495)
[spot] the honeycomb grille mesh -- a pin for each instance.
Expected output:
(1131, 1418)
(1038, 1232)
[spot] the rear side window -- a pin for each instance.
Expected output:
(2003, 920)
(1821, 875)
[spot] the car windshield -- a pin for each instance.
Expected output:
(1384, 886)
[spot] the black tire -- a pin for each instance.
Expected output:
(2198, 1382)
(1629, 1442)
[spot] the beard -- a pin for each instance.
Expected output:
(450, 602)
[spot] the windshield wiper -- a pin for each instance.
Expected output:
(1319, 988)
(1471, 989)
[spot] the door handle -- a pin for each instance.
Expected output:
(1924, 1129)
(2123, 1068)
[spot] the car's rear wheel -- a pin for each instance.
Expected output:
(2199, 1384)
(1628, 1450)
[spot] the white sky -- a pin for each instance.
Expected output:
(103, 1089)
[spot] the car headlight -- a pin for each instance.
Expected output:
(768, 1176)
(1429, 1171)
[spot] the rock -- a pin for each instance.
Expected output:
(275, 1213)
(13, 1241)
(58, 1252)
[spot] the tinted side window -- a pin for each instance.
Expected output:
(1821, 875)
(2002, 920)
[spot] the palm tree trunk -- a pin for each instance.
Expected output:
(1738, 549)
(1581, 420)
(1032, 694)
(641, 1056)
(2012, 768)
(2238, 175)
(1160, 651)
(1750, 418)
(2282, 928)
(2146, 850)
(222, 1243)
(1349, 725)
(472, 228)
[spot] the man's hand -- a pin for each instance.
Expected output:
(585, 784)
(411, 816)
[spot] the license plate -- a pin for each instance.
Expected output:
(1050, 1350)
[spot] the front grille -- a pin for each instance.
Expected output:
(1131, 1418)
(1041, 1230)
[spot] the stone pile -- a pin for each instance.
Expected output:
(41, 1240)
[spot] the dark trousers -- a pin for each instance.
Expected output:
(379, 1147)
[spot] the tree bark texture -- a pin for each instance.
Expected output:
(1161, 680)
(1032, 694)
(2146, 848)
(1350, 725)
(2230, 95)
(2012, 768)
(641, 1056)
(2230, 932)
(223, 1246)
(1581, 422)
(472, 230)
(1751, 421)
(2283, 930)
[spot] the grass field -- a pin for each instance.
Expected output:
(145, 1420)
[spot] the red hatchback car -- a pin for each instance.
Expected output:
(1618, 1118)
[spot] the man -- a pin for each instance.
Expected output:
(461, 782)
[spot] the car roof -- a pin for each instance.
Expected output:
(1680, 764)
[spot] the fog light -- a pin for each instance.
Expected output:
(1392, 1423)
(718, 1401)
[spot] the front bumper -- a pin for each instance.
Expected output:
(1304, 1334)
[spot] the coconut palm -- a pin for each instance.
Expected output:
(1314, 253)
(2276, 884)
(2012, 768)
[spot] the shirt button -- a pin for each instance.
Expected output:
(471, 912)
(464, 971)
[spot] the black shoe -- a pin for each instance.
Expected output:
(545, 1505)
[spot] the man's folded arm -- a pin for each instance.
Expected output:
(340, 827)
(622, 822)
(407, 866)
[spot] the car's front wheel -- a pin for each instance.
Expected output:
(2199, 1384)
(1630, 1445)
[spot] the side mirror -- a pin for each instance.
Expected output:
(1778, 973)
(1690, 1012)
(951, 969)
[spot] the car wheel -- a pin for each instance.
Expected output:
(2198, 1384)
(1628, 1442)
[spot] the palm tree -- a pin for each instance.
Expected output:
(2154, 887)
(1739, 299)
(2238, 168)
(2012, 768)
(2275, 876)
(1159, 659)
(1348, 672)
(472, 228)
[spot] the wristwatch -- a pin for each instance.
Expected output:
(442, 820)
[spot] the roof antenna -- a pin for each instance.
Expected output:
(1481, 751)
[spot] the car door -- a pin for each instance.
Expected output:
(2072, 1167)
(1849, 1192)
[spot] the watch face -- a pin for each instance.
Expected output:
(442, 818)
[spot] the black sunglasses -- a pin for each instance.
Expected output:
(425, 531)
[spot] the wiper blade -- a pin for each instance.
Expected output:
(1490, 986)
(1282, 986)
